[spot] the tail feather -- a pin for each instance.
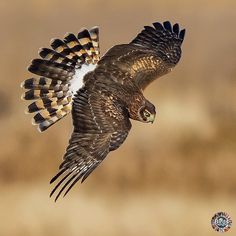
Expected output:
(51, 69)
(43, 83)
(58, 71)
(73, 43)
(44, 93)
(86, 42)
(45, 103)
(61, 47)
(49, 54)
(49, 116)
(94, 34)
(52, 119)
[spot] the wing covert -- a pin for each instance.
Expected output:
(100, 126)
(164, 44)
(151, 54)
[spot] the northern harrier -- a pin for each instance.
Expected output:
(102, 94)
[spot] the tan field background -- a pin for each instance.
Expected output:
(168, 178)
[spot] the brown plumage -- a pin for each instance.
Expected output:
(110, 95)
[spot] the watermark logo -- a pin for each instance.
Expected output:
(221, 222)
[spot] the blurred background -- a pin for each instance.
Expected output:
(168, 178)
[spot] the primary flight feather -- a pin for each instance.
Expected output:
(102, 94)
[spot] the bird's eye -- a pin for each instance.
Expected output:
(146, 114)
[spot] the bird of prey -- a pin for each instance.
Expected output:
(102, 94)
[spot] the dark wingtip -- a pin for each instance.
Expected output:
(58, 184)
(176, 28)
(158, 26)
(167, 26)
(57, 175)
(182, 34)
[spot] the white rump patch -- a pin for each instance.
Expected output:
(78, 79)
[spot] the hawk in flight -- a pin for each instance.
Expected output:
(102, 94)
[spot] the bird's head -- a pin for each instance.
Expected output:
(147, 112)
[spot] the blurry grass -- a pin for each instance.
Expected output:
(138, 213)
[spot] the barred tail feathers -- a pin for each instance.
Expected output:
(60, 72)
(51, 100)
(94, 33)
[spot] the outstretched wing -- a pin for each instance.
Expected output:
(101, 125)
(153, 53)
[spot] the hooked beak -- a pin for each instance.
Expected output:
(152, 118)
